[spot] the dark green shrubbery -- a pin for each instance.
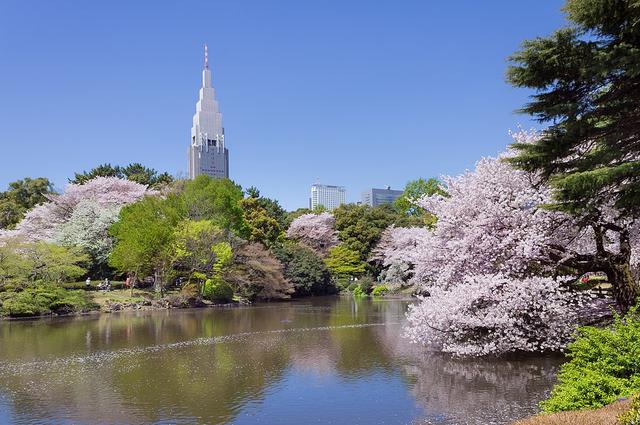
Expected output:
(217, 290)
(41, 299)
(604, 365)
(304, 269)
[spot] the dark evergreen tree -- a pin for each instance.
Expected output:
(587, 82)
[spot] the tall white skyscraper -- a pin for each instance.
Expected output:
(207, 152)
(330, 197)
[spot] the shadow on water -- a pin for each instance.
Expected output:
(333, 360)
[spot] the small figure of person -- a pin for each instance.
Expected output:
(87, 283)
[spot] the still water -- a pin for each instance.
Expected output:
(330, 360)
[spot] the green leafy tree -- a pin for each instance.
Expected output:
(14, 266)
(304, 268)
(195, 249)
(144, 235)
(215, 288)
(21, 196)
(53, 263)
(217, 200)
(260, 226)
(416, 189)
(586, 78)
(360, 226)
(271, 206)
(344, 262)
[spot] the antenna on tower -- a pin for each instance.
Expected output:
(206, 56)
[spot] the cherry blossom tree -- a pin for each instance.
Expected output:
(495, 247)
(88, 228)
(45, 220)
(493, 314)
(317, 231)
(399, 251)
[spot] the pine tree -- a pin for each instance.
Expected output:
(587, 82)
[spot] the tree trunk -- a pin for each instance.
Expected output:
(625, 288)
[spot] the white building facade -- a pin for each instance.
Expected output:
(207, 152)
(330, 197)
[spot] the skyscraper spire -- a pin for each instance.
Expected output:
(207, 152)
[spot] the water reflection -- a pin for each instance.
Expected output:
(333, 360)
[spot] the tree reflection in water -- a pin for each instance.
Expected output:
(216, 365)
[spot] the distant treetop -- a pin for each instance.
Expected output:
(135, 172)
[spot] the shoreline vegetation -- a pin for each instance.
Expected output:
(504, 258)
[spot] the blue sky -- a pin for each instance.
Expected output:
(356, 93)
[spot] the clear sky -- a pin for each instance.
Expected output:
(354, 93)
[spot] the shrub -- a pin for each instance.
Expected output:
(365, 284)
(217, 290)
(603, 366)
(305, 269)
(379, 290)
(359, 292)
(342, 284)
(352, 286)
(44, 299)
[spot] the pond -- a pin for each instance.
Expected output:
(327, 360)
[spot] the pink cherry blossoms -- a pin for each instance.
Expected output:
(44, 221)
(487, 266)
(317, 231)
(493, 314)
(399, 251)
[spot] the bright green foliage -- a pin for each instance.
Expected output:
(14, 267)
(217, 200)
(416, 189)
(144, 236)
(379, 290)
(224, 257)
(304, 268)
(217, 290)
(586, 77)
(344, 262)
(271, 206)
(193, 248)
(632, 416)
(359, 292)
(134, 172)
(360, 226)
(21, 196)
(604, 365)
(22, 262)
(53, 263)
(261, 227)
(44, 299)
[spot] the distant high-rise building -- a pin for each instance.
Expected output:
(207, 152)
(375, 197)
(330, 197)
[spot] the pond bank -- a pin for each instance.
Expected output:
(606, 415)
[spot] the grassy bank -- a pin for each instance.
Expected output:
(606, 415)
